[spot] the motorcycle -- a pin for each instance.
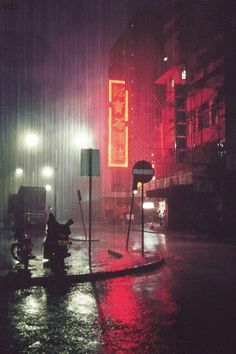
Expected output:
(21, 250)
(57, 243)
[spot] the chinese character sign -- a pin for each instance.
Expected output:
(118, 129)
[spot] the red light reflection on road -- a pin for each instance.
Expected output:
(118, 316)
(119, 302)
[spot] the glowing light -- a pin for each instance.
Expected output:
(118, 130)
(48, 187)
(47, 171)
(183, 75)
(19, 172)
(82, 141)
(31, 140)
(148, 205)
(165, 58)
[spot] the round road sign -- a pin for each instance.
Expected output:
(143, 171)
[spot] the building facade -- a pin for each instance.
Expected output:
(196, 146)
(185, 123)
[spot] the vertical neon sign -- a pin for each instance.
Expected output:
(118, 129)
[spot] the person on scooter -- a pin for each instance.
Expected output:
(54, 230)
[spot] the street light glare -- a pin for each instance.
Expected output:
(47, 171)
(82, 141)
(31, 140)
(19, 172)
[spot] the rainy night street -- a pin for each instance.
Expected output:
(117, 177)
(187, 306)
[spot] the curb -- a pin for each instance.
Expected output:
(17, 281)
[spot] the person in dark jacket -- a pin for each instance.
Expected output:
(54, 231)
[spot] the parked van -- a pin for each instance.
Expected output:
(31, 206)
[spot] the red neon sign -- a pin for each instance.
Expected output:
(118, 129)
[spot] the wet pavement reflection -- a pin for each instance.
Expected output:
(185, 307)
(53, 320)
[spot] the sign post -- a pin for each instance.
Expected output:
(143, 173)
(90, 166)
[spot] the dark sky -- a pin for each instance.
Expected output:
(54, 58)
(54, 61)
(58, 43)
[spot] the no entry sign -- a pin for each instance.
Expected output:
(143, 171)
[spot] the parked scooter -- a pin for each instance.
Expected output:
(57, 243)
(21, 250)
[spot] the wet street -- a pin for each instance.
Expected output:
(185, 307)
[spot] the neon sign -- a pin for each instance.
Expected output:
(118, 129)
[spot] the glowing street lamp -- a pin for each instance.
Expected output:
(31, 140)
(82, 141)
(48, 187)
(47, 171)
(19, 172)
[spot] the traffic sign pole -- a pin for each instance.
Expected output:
(142, 221)
(142, 172)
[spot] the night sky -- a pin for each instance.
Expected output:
(54, 63)
(57, 50)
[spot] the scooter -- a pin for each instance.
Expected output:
(56, 248)
(21, 250)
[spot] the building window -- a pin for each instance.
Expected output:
(204, 116)
(181, 130)
(214, 115)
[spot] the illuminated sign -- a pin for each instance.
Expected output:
(118, 129)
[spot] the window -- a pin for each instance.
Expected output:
(204, 116)
(181, 130)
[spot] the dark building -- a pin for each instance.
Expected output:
(197, 125)
(178, 70)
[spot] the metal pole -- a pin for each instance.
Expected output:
(81, 212)
(130, 214)
(90, 203)
(142, 221)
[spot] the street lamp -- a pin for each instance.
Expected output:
(48, 187)
(47, 171)
(82, 140)
(19, 172)
(31, 140)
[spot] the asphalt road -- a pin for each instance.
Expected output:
(185, 307)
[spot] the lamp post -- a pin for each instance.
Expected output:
(31, 141)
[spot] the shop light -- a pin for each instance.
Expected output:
(148, 205)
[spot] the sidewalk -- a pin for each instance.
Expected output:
(109, 258)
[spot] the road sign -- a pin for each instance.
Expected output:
(143, 171)
(90, 162)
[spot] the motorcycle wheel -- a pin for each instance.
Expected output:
(15, 251)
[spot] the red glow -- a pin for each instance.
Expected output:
(118, 314)
(118, 130)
